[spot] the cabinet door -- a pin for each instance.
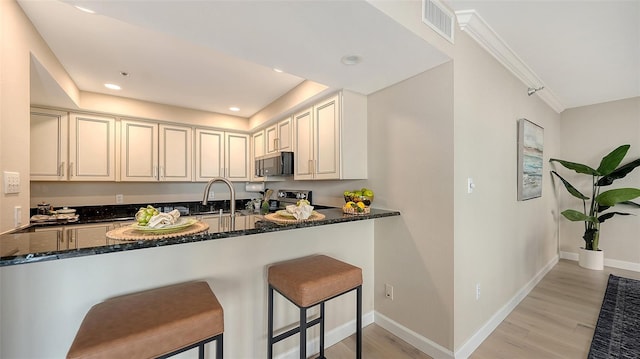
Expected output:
(237, 156)
(303, 144)
(139, 151)
(257, 150)
(49, 144)
(87, 236)
(92, 152)
(47, 239)
(209, 154)
(284, 135)
(271, 136)
(326, 139)
(175, 153)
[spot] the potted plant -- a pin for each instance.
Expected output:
(594, 214)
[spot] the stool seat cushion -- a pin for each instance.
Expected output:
(310, 280)
(150, 323)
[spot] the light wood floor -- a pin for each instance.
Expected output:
(556, 320)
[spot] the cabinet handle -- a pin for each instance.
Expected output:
(60, 170)
(310, 167)
(70, 169)
(155, 171)
(161, 172)
(275, 144)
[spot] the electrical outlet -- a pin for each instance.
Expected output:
(17, 216)
(388, 291)
(477, 291)
(119, 199)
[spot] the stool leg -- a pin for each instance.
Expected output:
(303, 333)
(219, 344)
(270, 335)
(359, 322)
(321, 331)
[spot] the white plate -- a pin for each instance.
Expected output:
(181, 224)
(66, 211)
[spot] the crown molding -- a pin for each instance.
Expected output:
(473, 24)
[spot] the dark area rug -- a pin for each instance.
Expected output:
(617, 333)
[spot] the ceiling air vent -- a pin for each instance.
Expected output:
(438, 17)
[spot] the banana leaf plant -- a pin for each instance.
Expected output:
(607, 172)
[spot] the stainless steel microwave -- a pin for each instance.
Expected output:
(275, 164)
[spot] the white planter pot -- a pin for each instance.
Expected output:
(591, 259)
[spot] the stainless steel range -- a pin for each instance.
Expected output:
(292, 196)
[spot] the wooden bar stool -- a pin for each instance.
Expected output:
(157, 323)
(307, 282)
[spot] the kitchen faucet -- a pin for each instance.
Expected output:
(232, 192)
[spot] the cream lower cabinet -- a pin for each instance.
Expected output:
(330, 139)
(49, 145)
(221, 154)
(92, 148)
(58, 238)
(152, 152)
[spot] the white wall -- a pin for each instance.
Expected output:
(44, 303)
(588, 134)
(500, 243)
(411, 169)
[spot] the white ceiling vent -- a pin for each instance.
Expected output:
(438, 17)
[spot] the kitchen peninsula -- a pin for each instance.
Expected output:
(15, 248)
(47, 295)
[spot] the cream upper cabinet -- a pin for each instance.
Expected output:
(155, 152)
(138, 151)
(49, 145)
(284, 135)
(330, 139)
(278, 136)
(271, 136)
(92, 148)
(222, 154)
(209, 154)
(237, 156)
(303, 144)
(257, 150)
(175, 153)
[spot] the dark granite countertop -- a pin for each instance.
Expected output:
(253, 224)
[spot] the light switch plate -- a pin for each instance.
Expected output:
(11, 182)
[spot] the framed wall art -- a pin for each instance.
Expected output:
(530, 148)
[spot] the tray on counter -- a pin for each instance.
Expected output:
(275, 217)
(131, 233)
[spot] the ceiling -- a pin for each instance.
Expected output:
(585, 51)
(211, 55)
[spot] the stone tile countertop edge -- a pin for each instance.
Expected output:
(332, 216)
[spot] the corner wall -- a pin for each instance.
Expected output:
(19, 41)
(589, 133)
(500, 243)
(410, 147)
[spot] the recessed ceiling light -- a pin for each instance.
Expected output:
(234, 109)
(277, 70)
(351, 59)
(112, 86)
(84, 9)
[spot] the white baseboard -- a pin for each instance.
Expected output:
(632, 266)
(330, 338)
(421, 343)
(476, 339)
(416, 340)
